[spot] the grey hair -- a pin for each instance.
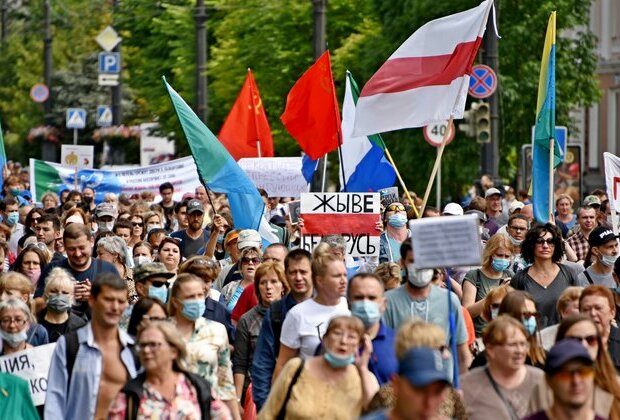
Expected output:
(335, 241)
(58, 277)
(16, 303)
(115, 245)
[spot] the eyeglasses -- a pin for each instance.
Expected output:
(565, 375)
(20, 322)
(137, 224)
(253, 260)
(349, 337)
(527, 315)
(154, 346)
(542, 241)
(159, 283)
(395, 207)
(589, 339)
(39, 245)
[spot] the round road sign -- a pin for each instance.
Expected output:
(39, 93)
(482, 81)
(433, 133)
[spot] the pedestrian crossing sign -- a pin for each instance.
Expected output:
(104, 116)
(76, 118)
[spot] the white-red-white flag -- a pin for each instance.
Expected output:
(426, 79)
(612, 179)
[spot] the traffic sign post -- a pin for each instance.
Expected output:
(76, 119)
(104, 116)
(39, 93)
(482, 81)
(109, 62)
(434, 134)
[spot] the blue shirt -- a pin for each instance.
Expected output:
(265, 355)
(383, 363)
(80, 402)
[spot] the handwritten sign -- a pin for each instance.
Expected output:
(388, 196)
(352, 215)
(33, 365)
(280, 177)
(446, 241)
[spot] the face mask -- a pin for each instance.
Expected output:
(500, 264)
(494, 313)
(33, 275)
(515, 242)
(367, 311)
(105, 225)
(87, 200)
(14, 192)
(151, 227)
(397, 220)
(142, 259)
(160, 293)
(220, 239)
(419, 278)
(12, 218)
(337, 361)
(59, 302)
(530, 325)
(14, 339)
(193, 309)
(608, 260)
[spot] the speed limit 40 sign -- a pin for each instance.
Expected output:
(435, 132)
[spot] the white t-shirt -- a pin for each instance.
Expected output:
(305, 324)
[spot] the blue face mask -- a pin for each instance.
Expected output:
(367, 311)
(500, 264)
(530, 325)
(12, 218)
(220, 239)
(397, 220)
(160, 293)
(337, 361)
(193, 308)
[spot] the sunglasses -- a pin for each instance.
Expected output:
(137, 224)
(253, 260)
(589, 339)
(527, 315)
(565, 375)
(542, 241)
(157, 283)
(395, 207)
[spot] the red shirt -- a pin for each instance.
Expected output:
(246, 301)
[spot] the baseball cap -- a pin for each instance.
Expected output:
(515, 205)
(601, 235)
(151, 269)
(591, 200)
(422, 366)
(565, 351)
(492, 191)
(453, 209)
(249, 238)
(231, 236)
(105, 209)
(194, 205)
(481, 216)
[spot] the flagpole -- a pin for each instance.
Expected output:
(324, 173)
(429, 186)
(400, 179)
(210, 200)
(551, 162)
(258, 148)
(338, 127)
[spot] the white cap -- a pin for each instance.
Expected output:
(492, 191)
(453, 209)
(514, 206)
(249, 238)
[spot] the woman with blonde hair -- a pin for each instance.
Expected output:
(166, 389)
(414, 334)
(57, 317)
(50, 200)
(565, 218)
(334, 385)
(390, 276)
(496, 260)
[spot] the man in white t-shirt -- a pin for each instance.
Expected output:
(306, 322)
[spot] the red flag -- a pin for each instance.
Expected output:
(246, 127)
(312, 116)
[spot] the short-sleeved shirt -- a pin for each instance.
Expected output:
(606, 279)
(546, 297)
(305, 324)
(189, 246)
(483, 285)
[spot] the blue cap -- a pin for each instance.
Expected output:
(565, 351)
(422, 366)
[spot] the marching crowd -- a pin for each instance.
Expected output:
(164, 310)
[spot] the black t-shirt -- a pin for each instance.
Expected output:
(189, 246)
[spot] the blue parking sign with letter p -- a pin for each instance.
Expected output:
(110, 63)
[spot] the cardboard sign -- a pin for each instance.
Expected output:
(280, 177)
(449, 241)
(352, 215)
(33, 365)
(77, 156)
(388, 196)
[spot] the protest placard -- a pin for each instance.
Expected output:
(388, 196)
(352, 215)
(280, 177)
(54, 177)
(32, 365)
(452, 241)
(293, 211)
(77, 156)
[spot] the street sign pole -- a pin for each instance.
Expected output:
(438, 186)
(75, 136)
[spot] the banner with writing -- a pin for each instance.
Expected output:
(33, 365)
(352, 215)
(279, 176)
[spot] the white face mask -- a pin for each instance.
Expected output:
(105, 225)
(419, 278)
(142, 259)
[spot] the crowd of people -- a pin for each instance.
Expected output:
(167, 310)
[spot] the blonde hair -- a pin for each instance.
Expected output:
(497, 331)
(494, 293)
(496, 242)
(16, 281)
(570, 294)
(320, 263)
(387, 271)
(564, 197)
(347, 322)
(172, 337)
(58, 277)
(415, 333)
(178, 282)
